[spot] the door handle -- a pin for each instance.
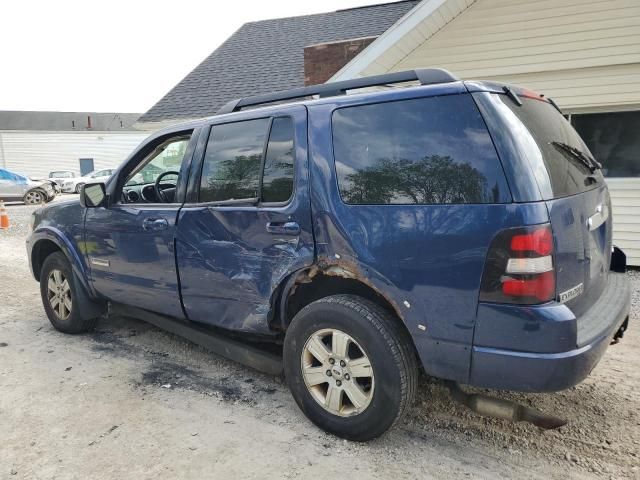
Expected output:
(154, 224)
(283, 228)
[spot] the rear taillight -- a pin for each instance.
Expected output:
(519, 267)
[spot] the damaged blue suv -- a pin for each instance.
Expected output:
(349, 240)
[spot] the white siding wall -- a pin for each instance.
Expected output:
(573, 51)
(625, 198)
(38, 153)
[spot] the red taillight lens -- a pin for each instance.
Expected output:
(539, 241)
(541, 286)
(519, 267)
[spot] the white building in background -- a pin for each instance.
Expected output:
(36, 143)
(585, 54)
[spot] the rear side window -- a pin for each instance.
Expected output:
(240, 165)
(421, 151)
(231, 168)
(563, 151)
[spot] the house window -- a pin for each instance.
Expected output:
(613, 140)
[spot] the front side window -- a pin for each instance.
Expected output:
(613, 139)
(166, 158)
(421, 151)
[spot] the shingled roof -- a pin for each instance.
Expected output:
(266, 56)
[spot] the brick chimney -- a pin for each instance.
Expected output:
(321, 61)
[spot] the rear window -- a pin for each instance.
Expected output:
(560, 145)
(420, 151)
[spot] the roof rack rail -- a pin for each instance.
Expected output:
(426, 76)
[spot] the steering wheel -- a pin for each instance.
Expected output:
(156, 186)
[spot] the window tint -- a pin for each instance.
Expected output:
(613, 139)
(4, 175)
(420, 151)
(560, 145)
(231, 168)
(277, 183)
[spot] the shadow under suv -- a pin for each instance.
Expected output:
(460, 227)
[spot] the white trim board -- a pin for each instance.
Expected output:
(408, 23)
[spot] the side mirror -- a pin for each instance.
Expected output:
(93, 195)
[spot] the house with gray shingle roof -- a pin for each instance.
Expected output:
(270, 55)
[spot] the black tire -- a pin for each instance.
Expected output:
(383, 340)
(73, 323)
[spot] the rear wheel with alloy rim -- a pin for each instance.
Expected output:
(350, 366)
(338, 377)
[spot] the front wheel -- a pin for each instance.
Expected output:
(79, 187)
(60, 297)
(34, 197)
(350, 366)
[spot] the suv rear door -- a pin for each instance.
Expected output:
(247, 223)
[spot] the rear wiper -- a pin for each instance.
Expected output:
(591, 163)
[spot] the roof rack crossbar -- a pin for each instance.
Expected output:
(426, 76)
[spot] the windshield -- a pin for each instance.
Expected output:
(571, 166)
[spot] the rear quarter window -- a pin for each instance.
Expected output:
(420, 151)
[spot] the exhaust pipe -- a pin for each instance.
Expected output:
(505, 409)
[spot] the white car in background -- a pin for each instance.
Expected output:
(73, 185)
(58, 177)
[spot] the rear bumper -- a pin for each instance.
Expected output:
(504, 369)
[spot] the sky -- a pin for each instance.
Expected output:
(119, 55)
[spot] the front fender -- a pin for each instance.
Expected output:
(69, 248)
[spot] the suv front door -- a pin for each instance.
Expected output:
(247, 221)
(130, 244)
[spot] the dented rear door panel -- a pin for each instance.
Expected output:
(229, 264)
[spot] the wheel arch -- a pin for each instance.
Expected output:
(47, 241)
(323, 280)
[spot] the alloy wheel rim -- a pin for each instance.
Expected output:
(337, 372)
(33, 197)
(59, 294)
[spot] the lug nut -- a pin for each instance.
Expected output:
(338, 382)
(332, 361)
(342, 363)
(328, 373)
(347, 377)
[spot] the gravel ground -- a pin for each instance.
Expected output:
(130, 401)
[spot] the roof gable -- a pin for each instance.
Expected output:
(266, 56)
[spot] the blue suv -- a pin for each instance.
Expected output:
(349, 240)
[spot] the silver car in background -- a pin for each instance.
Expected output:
(16, 187)
(73, 185)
